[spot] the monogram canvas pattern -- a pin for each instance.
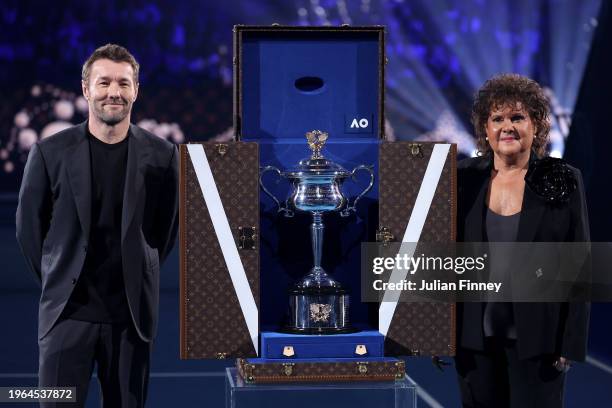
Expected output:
(418, 328)
(212, 323)
(297, 371)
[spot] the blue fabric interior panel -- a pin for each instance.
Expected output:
(296, 82)
(286, 252)
(292, 82)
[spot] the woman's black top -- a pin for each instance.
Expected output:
(498, 318)
(553, 210)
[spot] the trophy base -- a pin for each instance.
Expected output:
(318, 311)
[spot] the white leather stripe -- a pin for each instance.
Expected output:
(226, 240)
(413, 230)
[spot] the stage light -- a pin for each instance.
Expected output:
(441, 51)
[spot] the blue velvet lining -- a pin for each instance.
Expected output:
(274, 108)
(277, 114)
(285, 250)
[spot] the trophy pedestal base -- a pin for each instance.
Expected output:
(363, 343)
(318, 311)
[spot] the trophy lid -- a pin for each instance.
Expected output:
(316, 164)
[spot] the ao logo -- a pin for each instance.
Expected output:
(361, 123)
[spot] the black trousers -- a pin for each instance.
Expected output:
(68, 352)
(496, 378)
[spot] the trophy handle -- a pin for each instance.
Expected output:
(352, 208)
(280, 208)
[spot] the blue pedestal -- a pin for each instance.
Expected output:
(328, 346)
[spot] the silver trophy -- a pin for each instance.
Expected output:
(318, 304)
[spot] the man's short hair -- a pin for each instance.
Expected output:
(114, 53)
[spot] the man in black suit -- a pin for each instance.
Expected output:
(96, 218)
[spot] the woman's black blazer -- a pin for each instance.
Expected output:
(542, 328)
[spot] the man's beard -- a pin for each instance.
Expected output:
(113, 117)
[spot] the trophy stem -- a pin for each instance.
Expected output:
(316, 235)
(317, 274)
(317, 277)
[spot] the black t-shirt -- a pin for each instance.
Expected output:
(99, 295)
(498, 319)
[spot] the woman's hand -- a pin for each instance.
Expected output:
(562, 364)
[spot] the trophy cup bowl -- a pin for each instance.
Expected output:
(318, 304)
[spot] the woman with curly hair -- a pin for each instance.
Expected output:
(517, 354)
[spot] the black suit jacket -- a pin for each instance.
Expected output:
(54, 217)
(542, 328)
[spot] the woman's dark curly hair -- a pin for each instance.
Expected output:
(506, 90)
